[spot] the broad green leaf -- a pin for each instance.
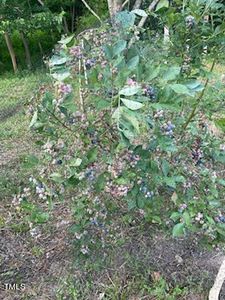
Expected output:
(174, 198)
(66, 40)
(119, 47)
(170, 107)
(139, 12)
(92, 155)
(34, 119)
(75, 162)
(222, 182)
(40, 217)
(57, 60)
(30, 161)
(153, 73)
(133, 62)
(194, 85)
(180, 89)
(130, 117)
(69, 104)
(130, 91)
(162, 4)
(47, 100)
(171, 73)
(180, 179)
(61, 76)
(187, 218)
(100, 183)
(57, 177)
(133, 105)
(220, 123)
(102, 104)
(165, 167)
(108, 51)
(125, 19)
(178, 230)
(170, 182)
(175, 216)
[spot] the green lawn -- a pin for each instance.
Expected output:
(15, 137)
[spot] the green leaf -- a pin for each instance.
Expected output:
(131, 203)
(34, 119)
(100, 183)
(125, 19)
(75, 162)
(171, 73)
(139, 12)
(133, 105)
(40, 217)
(66, 40)
(119, 47)
(179, 179)
(92, 155)
(30, 161)
(195, 85)
(73, 181)
(222, 182)
(61, 76)
(130, 91)
(165, 167)
(130, 117)
(175, 216)
(102, 104)
(47, 100)
(57, 60)
(133, 62)
(162, 4)
(108, 51)
(178, 230)
(180, 89)
(170, 182)
(153, 73)
(69, 103)
(187, 218)
(56, 177)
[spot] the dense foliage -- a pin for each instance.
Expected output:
(125, 128)
(29, 24)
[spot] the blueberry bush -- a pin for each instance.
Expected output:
(126, 128)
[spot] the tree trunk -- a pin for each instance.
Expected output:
(41, 49)
(65, 26)
(137, 4)
(73, 17)
(27, 50)
(11, 51)
(114, 6)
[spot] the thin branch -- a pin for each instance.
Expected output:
(124, 3)
(41, 2)
(84, 64)
(91, 10)
(192, 114)
(80, 88)
(137, 4)
(215, 290)
(58, 120)
(150, 8)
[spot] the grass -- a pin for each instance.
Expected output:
(15, 137)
